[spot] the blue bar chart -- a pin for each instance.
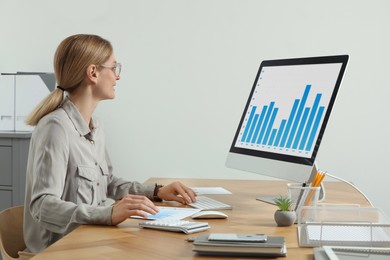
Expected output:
(297, 131)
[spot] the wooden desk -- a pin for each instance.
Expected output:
(128, 241)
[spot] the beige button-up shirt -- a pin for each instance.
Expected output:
(69, 178)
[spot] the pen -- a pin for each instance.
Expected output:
(300, 196)
(316, 183)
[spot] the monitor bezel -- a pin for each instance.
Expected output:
(343, 59)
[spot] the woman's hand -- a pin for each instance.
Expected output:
(172, 191)
(132, 205)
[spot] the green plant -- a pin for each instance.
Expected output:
(283, 203)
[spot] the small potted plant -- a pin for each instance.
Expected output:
(284, 216)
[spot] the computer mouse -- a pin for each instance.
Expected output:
(209, 214)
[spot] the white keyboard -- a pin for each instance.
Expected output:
(176, 225)
(206, 203)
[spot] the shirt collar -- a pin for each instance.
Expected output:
(78, 121)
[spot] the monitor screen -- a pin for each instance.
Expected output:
(285, 117)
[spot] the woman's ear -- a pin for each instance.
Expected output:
(92, 73)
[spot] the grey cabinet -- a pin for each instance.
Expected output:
(14, 148)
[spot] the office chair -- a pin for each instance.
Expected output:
(11, 233)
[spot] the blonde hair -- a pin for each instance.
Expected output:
(72, 58)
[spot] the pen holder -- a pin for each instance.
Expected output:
(301, 195)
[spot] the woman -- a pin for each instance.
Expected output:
(69, 172)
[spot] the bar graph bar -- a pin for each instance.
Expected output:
(295, 132)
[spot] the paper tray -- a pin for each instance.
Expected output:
(343, 226)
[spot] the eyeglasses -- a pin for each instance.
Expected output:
(116, 68)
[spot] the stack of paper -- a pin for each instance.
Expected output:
(272, 247)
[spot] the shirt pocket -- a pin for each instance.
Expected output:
(86, 191)
(103, 183)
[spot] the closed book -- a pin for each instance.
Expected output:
(273, 247)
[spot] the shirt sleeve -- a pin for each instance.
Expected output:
(49, 169)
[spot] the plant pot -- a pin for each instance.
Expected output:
(285, 218)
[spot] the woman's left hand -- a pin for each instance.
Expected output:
(172, 191)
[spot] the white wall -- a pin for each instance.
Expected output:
(188, 67)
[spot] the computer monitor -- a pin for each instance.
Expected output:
(285, 117)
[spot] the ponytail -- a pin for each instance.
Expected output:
(47, 105)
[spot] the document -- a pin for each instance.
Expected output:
(210, 190)
(171, 212)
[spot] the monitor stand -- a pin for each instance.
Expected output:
(271, 198)
(267, 198)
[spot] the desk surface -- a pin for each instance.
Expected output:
(128, 241)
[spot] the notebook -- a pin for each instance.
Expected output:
(273, 247)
